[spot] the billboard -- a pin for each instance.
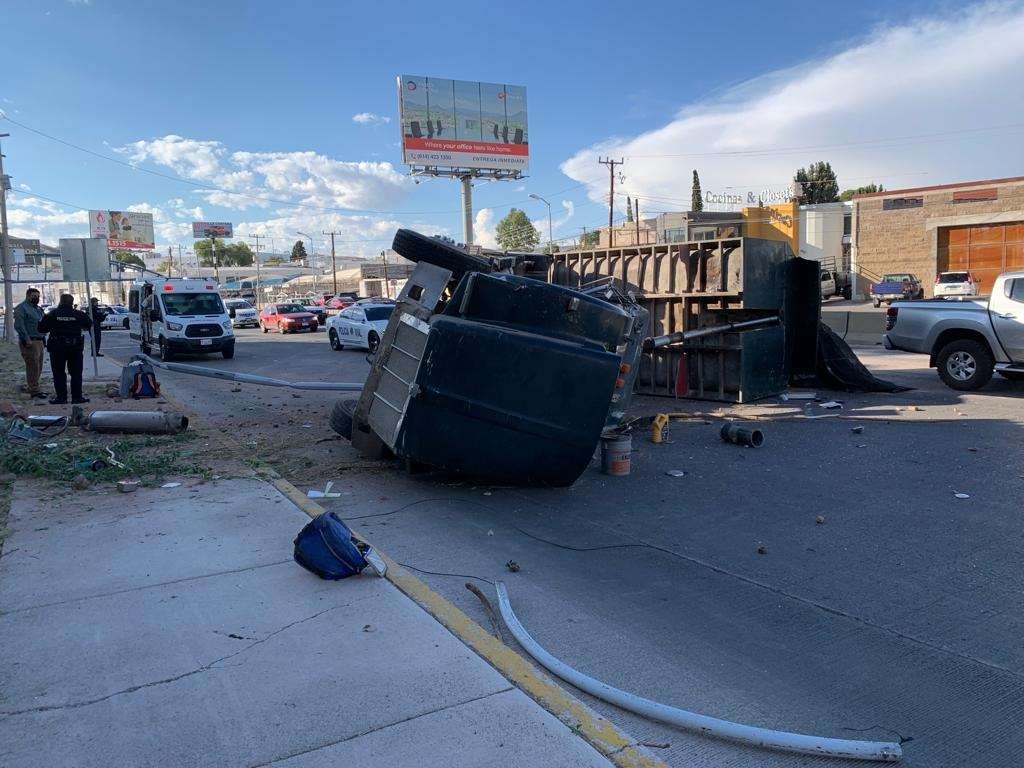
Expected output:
(204, 229)
(463, 123)
(122, 229)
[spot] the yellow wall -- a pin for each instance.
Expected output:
(774, 222)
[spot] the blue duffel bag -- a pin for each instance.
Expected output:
(327, 547)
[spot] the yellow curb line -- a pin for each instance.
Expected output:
(597, 731)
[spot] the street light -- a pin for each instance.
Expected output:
(551, 240)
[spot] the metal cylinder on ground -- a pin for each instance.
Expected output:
(148, 422)
(734, 433)
(616, 451)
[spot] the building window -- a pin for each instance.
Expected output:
(901, 203)
(847, 223)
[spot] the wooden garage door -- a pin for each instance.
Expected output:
(984, 250)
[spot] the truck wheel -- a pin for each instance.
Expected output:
(373, 341)
(877, 303)
(146, 349)
(336, 344)
(341, 417)
(265, 329)
(416, 247)
(228, 351)
(965, 364)
(125, 324)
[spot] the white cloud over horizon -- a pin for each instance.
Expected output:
(370, 118)
(947, 74)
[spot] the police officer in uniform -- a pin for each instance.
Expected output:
(66, 344)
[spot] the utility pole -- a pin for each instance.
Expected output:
(5, 252)
(258, 247)
(181, 264)
(334, 264)
(216, 259)
(636, 217)
(387, 287)
(467, 209)
(611, 193)
(170, 261)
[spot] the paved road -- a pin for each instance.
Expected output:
(898, 617)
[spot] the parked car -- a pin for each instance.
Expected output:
(897, 286)
(117, 318)
(339, 302)
(965, 340)
(955, 284)
(287, 318)
(361, 325)
(828, 284)
(319, 313)
(242, 313)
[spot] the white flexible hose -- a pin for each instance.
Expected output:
(821, 746)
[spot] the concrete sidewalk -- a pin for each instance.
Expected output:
(171, 627)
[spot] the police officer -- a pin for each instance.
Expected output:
(98, 315)
(66, 344)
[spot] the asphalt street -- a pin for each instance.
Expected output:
(897, 616)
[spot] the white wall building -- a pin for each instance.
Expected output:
(825, 234)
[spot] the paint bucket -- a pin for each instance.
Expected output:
(615, 455)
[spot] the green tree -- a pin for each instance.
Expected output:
(516, 232)
(164, 267)
(819, 183)
(866, 190)
(208, 258)
(273, 261)
(299, 251)
(696, 197)
(127, 257)
(629, 210)
(238, 255)
(590, 239)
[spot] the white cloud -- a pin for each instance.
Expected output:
(940, 74)
(483, 229)
(248, 179)
(34, 217)
(369, 118)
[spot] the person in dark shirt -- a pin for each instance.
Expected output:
(66, 344)
(98, 315)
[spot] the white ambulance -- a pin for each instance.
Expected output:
(169, 316)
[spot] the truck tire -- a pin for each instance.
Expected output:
(228, 351)
(965, 364)
(341, 417)
(417, 247)
(166, 355)
(372, 341)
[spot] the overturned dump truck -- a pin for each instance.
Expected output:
(490, 374)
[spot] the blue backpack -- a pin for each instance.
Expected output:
(325, 546)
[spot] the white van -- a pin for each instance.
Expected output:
(179, 314)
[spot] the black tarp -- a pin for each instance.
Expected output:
(839, 368)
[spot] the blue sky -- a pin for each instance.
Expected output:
(260, 97)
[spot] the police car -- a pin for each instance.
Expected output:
(361, 325)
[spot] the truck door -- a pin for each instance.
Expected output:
(134, 319)
(1007, 310)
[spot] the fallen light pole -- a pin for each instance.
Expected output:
(821, 746)
(252, 378)
(657, 342)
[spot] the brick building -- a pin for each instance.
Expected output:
(977, 226)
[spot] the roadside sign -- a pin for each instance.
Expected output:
(204, 229)
(123, 229)
(95, 265)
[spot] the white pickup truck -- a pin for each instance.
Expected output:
(966, 340)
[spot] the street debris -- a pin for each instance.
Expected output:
(762, 549)
(616, 454)
(820, 520)
(857, 430)
(80, 482)
(512, 566)
(786, 396)
(962, 495)
(143, 422)
(734, 433)
(171, 485)
(325, 546)
(326, 493)
(765, 738)
(832, 404)
(127, 486)
(676, 473)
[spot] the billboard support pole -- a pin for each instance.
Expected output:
(467, 209)
(88, 304)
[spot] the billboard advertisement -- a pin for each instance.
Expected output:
(463, 123)
(122, 229)
(204, 229)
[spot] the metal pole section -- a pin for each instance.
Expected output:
(636, 218)
(551, 239)
(387, 287)
(467, 209)
(611, 194)
(88, 303)
(257, 239)
(5, 252)
(656, 342)
(216, 261)
(334, 264)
